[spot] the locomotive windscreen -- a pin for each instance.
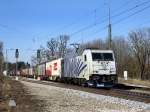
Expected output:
(102, 56)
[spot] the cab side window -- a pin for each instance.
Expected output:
(85, 58)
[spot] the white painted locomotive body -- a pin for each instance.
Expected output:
(91, 62)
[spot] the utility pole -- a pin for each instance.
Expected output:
(109, 27)
(16, 66)
(109, 31)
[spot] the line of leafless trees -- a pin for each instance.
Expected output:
(132, 52)
(56, 48)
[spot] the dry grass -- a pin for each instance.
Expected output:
(4, 94)
(10, 89)
(135, 81)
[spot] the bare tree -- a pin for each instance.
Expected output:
(63, 40)
(121, 48)
(140, 42)
(43, 54)
(34, 60)
(95, 44)
(52, 45)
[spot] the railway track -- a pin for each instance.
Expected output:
(115, 92)
(139, 96)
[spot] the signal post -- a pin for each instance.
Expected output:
(17, 56)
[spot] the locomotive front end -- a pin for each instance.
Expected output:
(102, 68)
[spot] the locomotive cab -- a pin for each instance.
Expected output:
(101, 67)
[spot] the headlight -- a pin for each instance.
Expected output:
(112, 70)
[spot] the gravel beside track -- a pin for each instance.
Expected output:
(57, 99)
(119, 92)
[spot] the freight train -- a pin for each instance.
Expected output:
(92, 68)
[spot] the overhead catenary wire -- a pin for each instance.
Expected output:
(113, 16)
(4, 26)
(88, 13)
(66, 26)
(95, 24)
(124, 18)
(141, 10)
(75, 21)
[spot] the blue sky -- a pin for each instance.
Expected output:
(27, 24)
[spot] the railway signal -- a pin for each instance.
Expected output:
(17, 53)
(38, 55)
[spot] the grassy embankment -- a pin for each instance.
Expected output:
(135, 81)
(14, 90)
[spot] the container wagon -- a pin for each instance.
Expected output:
(53, 69)
(41, 69)
(91, 68)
